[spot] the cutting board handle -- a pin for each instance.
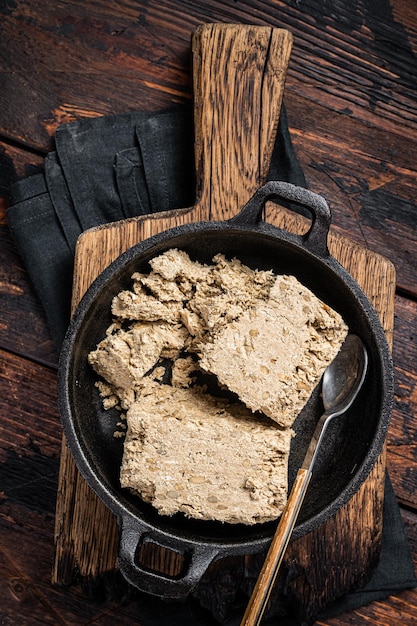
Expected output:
(239, 73)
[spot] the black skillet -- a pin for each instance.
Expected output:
(353, 445)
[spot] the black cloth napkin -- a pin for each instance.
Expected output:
(103, 170)
(120, 166)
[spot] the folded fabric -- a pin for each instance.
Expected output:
(119, 166)
(97, 174)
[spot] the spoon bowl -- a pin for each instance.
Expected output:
(344, 376)
(341, 383)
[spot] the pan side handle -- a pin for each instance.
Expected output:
(197, 558)
(316, 237)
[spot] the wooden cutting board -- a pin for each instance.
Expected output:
(239, 73)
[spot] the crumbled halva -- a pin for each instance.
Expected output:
(265, 338)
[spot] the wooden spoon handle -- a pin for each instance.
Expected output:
(264, 584)
(239, 73)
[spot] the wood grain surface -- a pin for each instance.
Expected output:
(351, 101)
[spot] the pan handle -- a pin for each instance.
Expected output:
(316, 237)
(197, 559)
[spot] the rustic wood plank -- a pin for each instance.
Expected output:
(22, 162)
(27, 597)
(123, 49)
(23, 327)
(394, 610)
(365, 87)
(401, 441)
(370, 191)
(30, 416)
(60, 51)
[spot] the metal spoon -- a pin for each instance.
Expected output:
(341, 383)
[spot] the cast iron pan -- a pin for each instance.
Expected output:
(352, 445)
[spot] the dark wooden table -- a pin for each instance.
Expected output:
(351, 101)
